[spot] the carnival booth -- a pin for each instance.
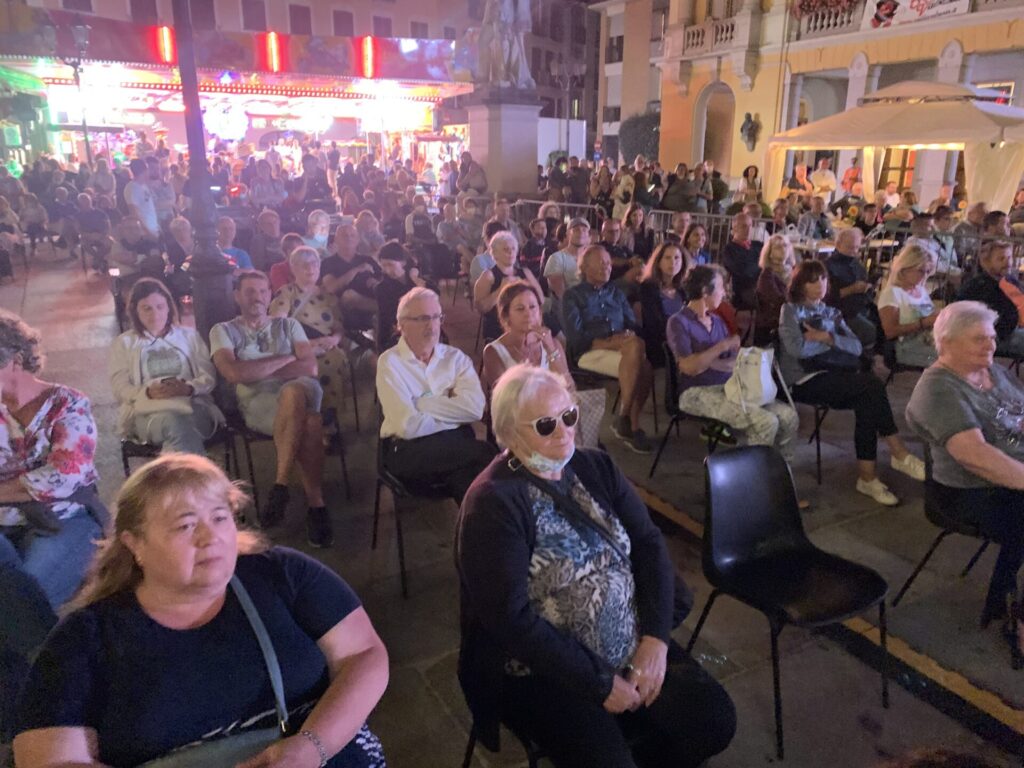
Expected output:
(920, 116)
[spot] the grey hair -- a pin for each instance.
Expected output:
(517, 385)
(418, 292)
(508, 237)
(847, 236)
(19, 342)
(317, 215)
(956, 318)
(304, 253)
(178, 223)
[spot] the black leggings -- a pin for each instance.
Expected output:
(690, 721)
(999, 515)
(862, 392)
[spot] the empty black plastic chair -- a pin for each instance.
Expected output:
(756, 551)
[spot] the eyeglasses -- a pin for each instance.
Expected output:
(545, 425)
(439, 318)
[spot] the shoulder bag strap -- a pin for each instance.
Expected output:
(573, 512)
(267, 647)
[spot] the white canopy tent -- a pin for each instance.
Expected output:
(920, 116)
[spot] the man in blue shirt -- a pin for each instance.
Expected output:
(602, 333)
(226, 229)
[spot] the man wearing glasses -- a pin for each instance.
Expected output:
(430, 395)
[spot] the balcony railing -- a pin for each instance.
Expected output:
(830, 21)
(836, 21)
(713, 35)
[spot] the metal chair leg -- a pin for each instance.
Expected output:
(700, 622)
(355, 391)
(401, 550)
(124, 463)
(664, 442)
(776, 682)
(884, 650)
(920, 566)
(344, 472)
(252, 473)
(470, 747)
(376, 514)
(974, 560)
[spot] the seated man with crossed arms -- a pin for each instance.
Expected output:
(273, 367)
(602, 333)
(430, 395)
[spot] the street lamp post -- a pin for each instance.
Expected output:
(566, 76)
(80, 34)
(212, 301)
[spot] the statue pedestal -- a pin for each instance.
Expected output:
(503, 139)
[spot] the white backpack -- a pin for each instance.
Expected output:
(751, 383)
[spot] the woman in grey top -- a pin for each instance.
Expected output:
(972, 414)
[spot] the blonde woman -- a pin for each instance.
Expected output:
(158, 653)
(777, 263)
(906, 309)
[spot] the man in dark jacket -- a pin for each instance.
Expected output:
(849, 289)
(740, 258)
(1000, 291)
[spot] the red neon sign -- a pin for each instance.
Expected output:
(369, 58)
(165, 44)
(273, 52)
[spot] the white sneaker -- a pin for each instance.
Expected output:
(909, 465)
(876, 490)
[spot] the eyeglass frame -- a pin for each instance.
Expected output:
(574, 408)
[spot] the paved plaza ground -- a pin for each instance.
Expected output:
(954, 684)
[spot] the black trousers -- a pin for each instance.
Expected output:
(452, 458)
(999, 515)
(690, 721)
(862, 392)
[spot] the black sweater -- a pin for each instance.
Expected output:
(494, 544)
(985, 288)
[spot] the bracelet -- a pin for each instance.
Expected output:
(552, 356)
(312, 737)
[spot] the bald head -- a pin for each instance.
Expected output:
(848, 241)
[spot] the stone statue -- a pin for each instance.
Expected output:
(502, 54)
(749, 130)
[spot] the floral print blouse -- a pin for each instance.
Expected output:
(53, 456)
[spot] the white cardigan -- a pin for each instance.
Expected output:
(126, 378)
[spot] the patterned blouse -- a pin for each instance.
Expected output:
(53, 455)
(319, 310)
(579, 583)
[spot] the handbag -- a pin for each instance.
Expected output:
(231, 750)
(682, 596)
(147, 406)
(832, 360)
(592, 405)
(751, 383)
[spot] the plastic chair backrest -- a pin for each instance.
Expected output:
(752, 510)
(671, 380)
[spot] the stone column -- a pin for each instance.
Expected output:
(856, 87)
(796, 87)
(503, 139)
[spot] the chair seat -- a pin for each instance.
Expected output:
(810, 587)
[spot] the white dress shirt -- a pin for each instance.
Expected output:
(413, 394)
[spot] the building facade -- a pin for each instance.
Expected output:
(786, 63)
(562, 44)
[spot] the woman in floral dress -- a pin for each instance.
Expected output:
(317, 310)
(50, 513)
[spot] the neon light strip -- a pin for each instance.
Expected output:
(166, 43)
(273, 52)
(368, 59)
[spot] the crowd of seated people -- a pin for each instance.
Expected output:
(605, 308)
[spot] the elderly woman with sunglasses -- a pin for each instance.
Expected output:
(567, 596)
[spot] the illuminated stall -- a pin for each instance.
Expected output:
(254, 88)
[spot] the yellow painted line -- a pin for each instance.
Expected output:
(986, 701)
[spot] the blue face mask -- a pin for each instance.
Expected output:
(540, 463)
(320, 240)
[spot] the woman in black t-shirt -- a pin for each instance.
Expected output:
(158, 653)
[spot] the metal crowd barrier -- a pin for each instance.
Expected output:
(525, 211)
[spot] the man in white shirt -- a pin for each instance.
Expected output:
(273, 367)
(139, 197)
(430, 395)
(824, 180)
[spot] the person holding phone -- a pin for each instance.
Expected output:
(162, 376)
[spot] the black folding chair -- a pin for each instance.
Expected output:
(756, 550)
(933, 511)
(715, 427)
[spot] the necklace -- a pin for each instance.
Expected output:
(984, 386)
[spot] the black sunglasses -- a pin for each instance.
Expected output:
(545, 425)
